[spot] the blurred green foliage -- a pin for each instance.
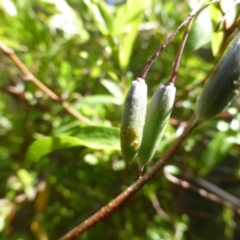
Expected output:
(56, 171)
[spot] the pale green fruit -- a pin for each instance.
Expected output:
(222, 84)
(133, 118)
(158, 113)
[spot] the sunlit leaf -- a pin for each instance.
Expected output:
(217, 38)
(99, 137)
(100, 99)
(126, 45)
(200, 33)
(113, 88)
(126, 25)
(91, 137)
(101, 16)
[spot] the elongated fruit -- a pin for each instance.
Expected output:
(222, 84)
(133, 118)
(158, 113)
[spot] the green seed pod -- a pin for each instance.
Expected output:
(158, 113)
(222, 84)
(133, 118)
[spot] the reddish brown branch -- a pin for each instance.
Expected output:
(130, 191)
(29, 76)
(179, 53)
(170, 38)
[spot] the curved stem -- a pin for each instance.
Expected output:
(179, 54)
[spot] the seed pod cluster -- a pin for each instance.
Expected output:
(222, 84)
(133, 119)
(158, 113)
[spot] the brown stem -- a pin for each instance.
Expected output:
(130, 191)
(179, 54)
(29, 76)
(217, 191)
(226, 200)
(170, 38)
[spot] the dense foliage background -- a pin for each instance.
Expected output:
(88, 52)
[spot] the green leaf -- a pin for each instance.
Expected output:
(201, 32)
(93, 137)
(101, 16)
(216, 151)
(113, 88)
(98, 137)
(99, 99)
(126, 24)
(46, 145)
(217, 38)
(126, 45)
(127, 15)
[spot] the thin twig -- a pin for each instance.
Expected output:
(29, 76)
(158, 209)
(130, 191)
(218, 191)
(204, 193)
(170, 38)
(179, 53)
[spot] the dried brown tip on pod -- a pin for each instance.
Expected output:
(133, 119)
